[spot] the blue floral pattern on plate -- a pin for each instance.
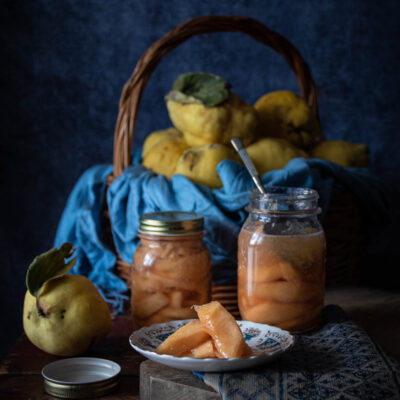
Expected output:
(267, 343)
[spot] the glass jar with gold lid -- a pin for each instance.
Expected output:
(281, 259)
(171, 268)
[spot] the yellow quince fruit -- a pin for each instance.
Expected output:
(273, 153)
(199, 164)
(63, 314)
(157, 136)
(163, 157)
(285, 114)
(206, 111)
(342, 152)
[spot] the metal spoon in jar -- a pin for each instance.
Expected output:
(239, 147)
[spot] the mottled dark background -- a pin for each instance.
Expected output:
(63, 65)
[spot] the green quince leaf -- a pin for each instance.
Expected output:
(199, 87)
(49, 265)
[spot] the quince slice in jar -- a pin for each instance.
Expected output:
(184, 339)
(172, 265)
(279, 312)
(170, 313)
(224, 330)
(176, 298)
(287, 291)
(150, 304)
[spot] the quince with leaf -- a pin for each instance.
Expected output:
(206, 111)
(63, 314)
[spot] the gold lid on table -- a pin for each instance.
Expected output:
(171, 223)
(82, 391)
(80, 377)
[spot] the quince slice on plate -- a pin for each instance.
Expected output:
(205, 350)
(222, 327)
(184, 339)
(215, 335)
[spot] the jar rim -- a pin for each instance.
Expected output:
(167, 235)
(293, 213)
(171, 223)
(284, 200)
(283, 193)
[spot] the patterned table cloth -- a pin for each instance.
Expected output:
(337, 361)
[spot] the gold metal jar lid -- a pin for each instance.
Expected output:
(80, 377)
(171, 223)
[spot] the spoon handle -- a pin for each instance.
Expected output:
(239, 147)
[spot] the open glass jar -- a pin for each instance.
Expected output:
(171, 268)
(281, 259)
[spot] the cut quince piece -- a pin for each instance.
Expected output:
(287, 291)
(177, 313)
(205, 350)
(274, 313)
(222, 327)
(150, 304)
(184, 339)
(166, 282)
(176, 299)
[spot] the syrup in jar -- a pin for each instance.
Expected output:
(171, 268)
(281, 259)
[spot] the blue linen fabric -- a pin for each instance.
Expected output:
(338, 361)
(138, 191)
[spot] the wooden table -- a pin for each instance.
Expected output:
(20, 371)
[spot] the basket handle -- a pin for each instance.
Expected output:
(133, 89)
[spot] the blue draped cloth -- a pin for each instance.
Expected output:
(138, 191)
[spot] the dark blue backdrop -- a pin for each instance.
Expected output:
(64, 64)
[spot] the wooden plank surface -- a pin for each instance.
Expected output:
(20, 371)
(159, 382)
(30, 387)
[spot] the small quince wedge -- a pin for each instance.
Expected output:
(286, 115)
(273, 153)
(222, 327)
(342, 152)
(199, 164)
(206, 111)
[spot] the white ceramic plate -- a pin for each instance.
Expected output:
(265, 340)
(80, 370)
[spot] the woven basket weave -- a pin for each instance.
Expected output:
(342, 223)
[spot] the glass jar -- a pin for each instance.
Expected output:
(171, 268)
(281, 259)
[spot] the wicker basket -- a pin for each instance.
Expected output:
(342, 223)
